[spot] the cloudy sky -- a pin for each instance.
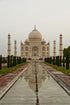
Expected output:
(18, 17)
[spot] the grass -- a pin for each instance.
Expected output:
(4, 71)
(60, 68)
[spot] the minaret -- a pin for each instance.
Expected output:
(9, 45)
(48, 49)
(15, 48)
(54, 52)
(60, 49)
(21, 49)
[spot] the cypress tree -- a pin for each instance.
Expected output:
(8, 61)
(17, 60)
(0, 62)
(14, 60)
(54, 62)
(24, 59)
(11, 60)
(20, 60)
(57, 60)
(45, 60)
(50, 60)
(63, 61)
(60, 61)
(67, 62)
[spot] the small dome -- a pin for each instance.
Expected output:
(27, 41)
(43, 41)
(35, 35)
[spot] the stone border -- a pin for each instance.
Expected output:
(6, 89)
(59, 81)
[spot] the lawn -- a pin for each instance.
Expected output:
(4, 71)
(60, 68)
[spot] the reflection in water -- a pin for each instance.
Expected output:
(29, 76)
(35, 75)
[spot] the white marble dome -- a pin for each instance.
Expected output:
(35, 35)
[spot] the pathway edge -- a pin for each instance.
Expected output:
(58, 80)
(9, 85)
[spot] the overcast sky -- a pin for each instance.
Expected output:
(18, 17)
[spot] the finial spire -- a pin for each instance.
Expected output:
(35, 27)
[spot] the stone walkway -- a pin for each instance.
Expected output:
(9, 77)
(36, 87)
(64, 78)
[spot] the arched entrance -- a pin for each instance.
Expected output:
(35, 51)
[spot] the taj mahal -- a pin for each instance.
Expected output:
(34, 46)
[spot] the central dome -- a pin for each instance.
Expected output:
(35, 35)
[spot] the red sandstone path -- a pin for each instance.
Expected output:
(9, 77)
(4, 64)
(58, 74)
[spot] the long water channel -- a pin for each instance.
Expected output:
(36, 87)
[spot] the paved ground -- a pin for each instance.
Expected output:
(36, 87)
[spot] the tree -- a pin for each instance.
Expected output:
(60, 61)
(8, 61)
(66, 51)
(54, 61)
(14, 60)
(0, 61)
(24, 59)
(57, 61)
(67, 62)
(11, 60)
(63, 61)
(50, 60)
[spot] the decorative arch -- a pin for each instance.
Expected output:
(35, 51)
(26, 48)
(43, 48)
